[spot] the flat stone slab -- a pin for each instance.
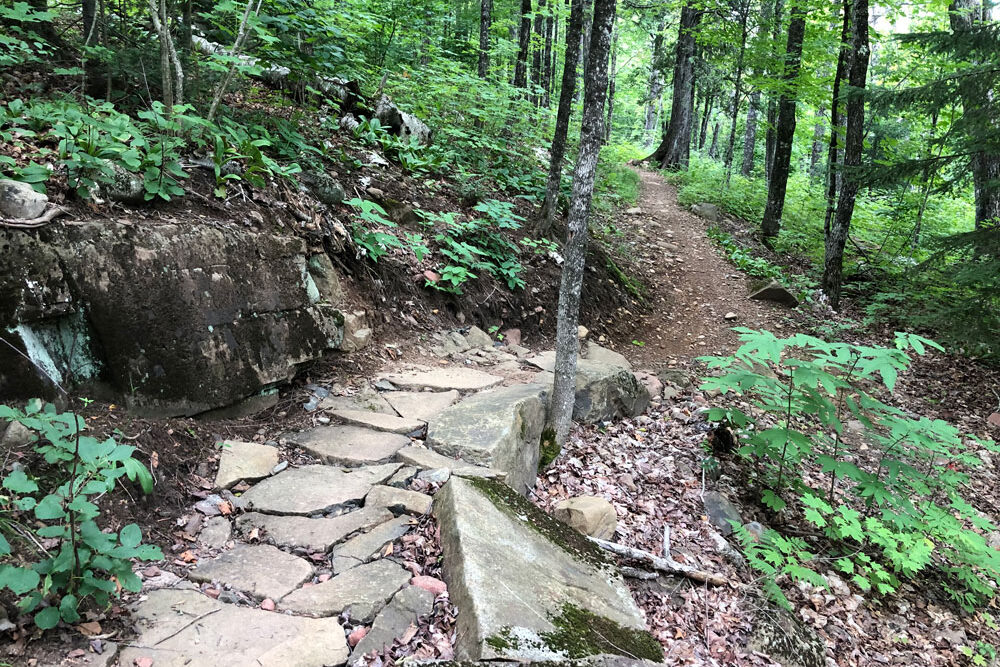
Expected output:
(312, 534)
(589, 351)
(365, 547)
(523, 580)
(500, 429)
(349, 445)
(604, 391)
(369, 400)
(183, 628)
(247, 461)
(406, 607)
(315, 489)
(399, 500)
(428, 459)
(425, 405)
(361, 591)
(259, 570)
(380, 422)
(443, 379)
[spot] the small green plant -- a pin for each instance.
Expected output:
(56, 502)
(375, 243)
(887, 498)
(981, 654)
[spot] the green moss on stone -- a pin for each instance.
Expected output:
(549, 449)
(580, 633)
(517, 506)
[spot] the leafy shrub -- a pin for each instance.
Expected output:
(889, 501)
(59, 503)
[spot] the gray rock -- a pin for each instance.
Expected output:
(400, 123)
(380, 421)
(183, 628)
(357, 333)
(18, 200)
(720, 512)
(216, 532)
(479, 338)
(602, 355)
(349, 445)
(362, 592)
(125, 186)
(326, 279)
(776, 292)
(500, 429)
(315, 489)
(402, 479)
(16, 436)
(588, 514)
(781, 637)
(399, 501)
(365, 547)
(436, 476)
(422, 457)
(707, 211)
(513, 570)
(246, 461)
(368, 400)
(407, 606)
(605, 389)
(423, 405)
(325, 188)
(676, 377)
(452, 342)
(444, 379)
(260, 571)
(319, 534)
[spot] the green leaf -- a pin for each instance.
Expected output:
(18, 482)
(130, 535)
(67, 609)
(50, 508)
(19, 580)
(47, 618)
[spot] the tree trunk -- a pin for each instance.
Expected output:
(611, 86)
(538, 39)
(833, 152)
(816, 158)
(750, 136)
(713, 150)
(655, 85)
(853, 149)
(575, 249)
(770, 137)
(485, 21)
(547, 215)
(703, 132)
(771, 223)
(523, 43)
(737, 89)
(674, 151)
(547, 59)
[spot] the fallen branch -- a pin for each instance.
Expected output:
(662, 564)
(40, 221)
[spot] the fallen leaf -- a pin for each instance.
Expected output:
(90, 628)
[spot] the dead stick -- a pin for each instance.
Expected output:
(32, 223)
(661, 564)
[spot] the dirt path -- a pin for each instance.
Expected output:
(691, 286)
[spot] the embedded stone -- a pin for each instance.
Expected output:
(406, 608)
(259, 570)
(183, 628)
(423, 405)
(402, 479)
(721, 512)
(606, 388)
(398, 500)
(19, 200)
(589, 514)
(315, 489)
(365, 547)
(349, 445)
(216, 532)
(478, 338)
(500, 429)
(776, 292)
(369, 400)
(312, 534)
(362, 592)
(244, 461)
(427, 459)
(380, 422)
(444, 379)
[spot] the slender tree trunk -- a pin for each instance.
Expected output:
(575, 250)
(523, 44)
(853, 149)
(611, 86)
(836, 130)
(538, 39)
(674, 151)
(485, 21)
(713, 150)
(547, 58)
(816, 158)
(655, 85)
(546, 218)
(737, 89)
(771, 223)
(750, 136)
(770, 137)
(703, 132)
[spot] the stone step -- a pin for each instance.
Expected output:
(382, 422)
(315, 489)
(183, 628)
(368, 546)
(406, 607)
(424, 405)
(528, 586)
(311, 534)
(261, 571)
(362, 592)
(443, 379)
(500, 429)
(244, 461)
(349, 445)
(428, 459)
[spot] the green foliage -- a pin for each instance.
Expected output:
(57, 502)
(888, 499)
(19, 43)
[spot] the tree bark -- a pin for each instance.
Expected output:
(771, 223)
(485, 21)
(611, 86)
(705, 116)
(674, 151)
(750, 136)
(523, 43)
(713, 149)
(770, 137)
(816, 158)
(655, 84)
(538, 39)
(737, 89)
(575, 249)
(836, 131)
(853, 149)
(574, 29)
(547, 58)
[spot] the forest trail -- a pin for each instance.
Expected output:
(691, 287)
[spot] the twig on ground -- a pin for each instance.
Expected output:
(33, 223)
(662, 564)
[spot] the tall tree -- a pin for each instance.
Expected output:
(547, 57)
(770, 136)
(853, 148)
(538, 39)
(575, 249)
(523, 44)
(750, 135)
(485, 21)
(557, 153)
(611, 86)
(836, 129)
(674, 151)
(655, 83)
(771, 223)
(743, 13)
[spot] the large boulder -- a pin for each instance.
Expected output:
(707, 211)
(773, 291)
(19, 200)
(402, 124)
(528, 587)
(500, 429)
(169, 319)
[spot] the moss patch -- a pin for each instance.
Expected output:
(549, 449)
(513, 504)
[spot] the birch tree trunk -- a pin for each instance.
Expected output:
(575, 250)
(750, 136)
(655, 85)
(853, 149)
(771, 223)
(546, 218)
(523, 43)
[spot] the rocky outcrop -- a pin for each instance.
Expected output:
(404, 125)
(169, 319)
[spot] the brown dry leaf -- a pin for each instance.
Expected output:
(410, 633)
(188, 557)
(154, 460)
(387, 551)
(225, 508)
(76, 653)
(90, 629)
